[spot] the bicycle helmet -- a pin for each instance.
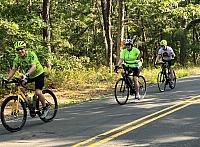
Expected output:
(128, 42)
(163, 43)
(19, 44)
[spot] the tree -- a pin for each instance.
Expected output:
(46, 31)
(106, 11)
(120, 27)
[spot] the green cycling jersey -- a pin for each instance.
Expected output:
(130, 57)
(24, 64)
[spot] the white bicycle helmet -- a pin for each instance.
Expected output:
(128, 42)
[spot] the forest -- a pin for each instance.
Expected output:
(72, 37)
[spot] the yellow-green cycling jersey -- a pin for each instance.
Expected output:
(24, 64)
(131, 58)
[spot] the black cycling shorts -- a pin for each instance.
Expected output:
(135, 71)
(170, 62)
(39, 81)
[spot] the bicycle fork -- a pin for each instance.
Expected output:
(15, 107)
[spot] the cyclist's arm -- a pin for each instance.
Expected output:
(173, 54)
(120, 61)
(139, 58)
(157, 58)
(11, 72)
(32, 69)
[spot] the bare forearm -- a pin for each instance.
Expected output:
(32, 69)
(11, 73)
(157, 58)
(120, 61)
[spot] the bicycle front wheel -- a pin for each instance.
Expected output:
(52, 104)
(13, 114)
(121, 91)
(161, 80)
(142, 86)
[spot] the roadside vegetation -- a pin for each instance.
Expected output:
(80, 85)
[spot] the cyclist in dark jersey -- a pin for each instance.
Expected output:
(27, 63)
(131, 58)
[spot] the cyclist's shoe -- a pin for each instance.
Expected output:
(131, 92)
(171, 84)
(32, 113)
(45, 111)
(138, 97)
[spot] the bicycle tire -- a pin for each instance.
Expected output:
(5, 109)
(123, 89)
(161, 81)
(142, 86)
(174, 81)
(53, 105)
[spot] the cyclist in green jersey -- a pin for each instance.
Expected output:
(130, 56)
(27, 62)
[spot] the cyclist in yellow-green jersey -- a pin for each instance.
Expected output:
(130, 56)
(27, 62)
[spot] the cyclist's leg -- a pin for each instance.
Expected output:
(136, 73)
(39, 84)
(171, 70)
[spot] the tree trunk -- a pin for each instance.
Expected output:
(46, 31)
(30, 6)
(120, 28)
(106, 10)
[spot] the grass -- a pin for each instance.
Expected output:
(100, 86)
(73, 87)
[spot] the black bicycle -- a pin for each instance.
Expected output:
(14, 108)
(125, 87)
(164, 77)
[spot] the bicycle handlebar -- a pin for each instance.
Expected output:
(13, 81)
(120, 67)
(161, 63)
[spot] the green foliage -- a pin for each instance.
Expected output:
(77, 40)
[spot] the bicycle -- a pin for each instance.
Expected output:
(14, 108)
(164, 77)
(125, 86)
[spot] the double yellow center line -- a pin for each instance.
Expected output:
(114, 133)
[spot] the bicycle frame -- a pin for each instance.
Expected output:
(127, 78)
(20, 96)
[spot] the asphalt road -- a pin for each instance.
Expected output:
(163, 119)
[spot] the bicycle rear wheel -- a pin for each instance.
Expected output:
(52, 104)
(121, 91)
(143, 86)
(13, 114)
(172, 84)
(161, 80)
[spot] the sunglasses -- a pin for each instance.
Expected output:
(19, 49)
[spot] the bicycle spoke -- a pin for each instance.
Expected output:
(13, 114)
(51, 103)
(161, 80)
(142, 86)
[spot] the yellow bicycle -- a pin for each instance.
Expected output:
(14, 108)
